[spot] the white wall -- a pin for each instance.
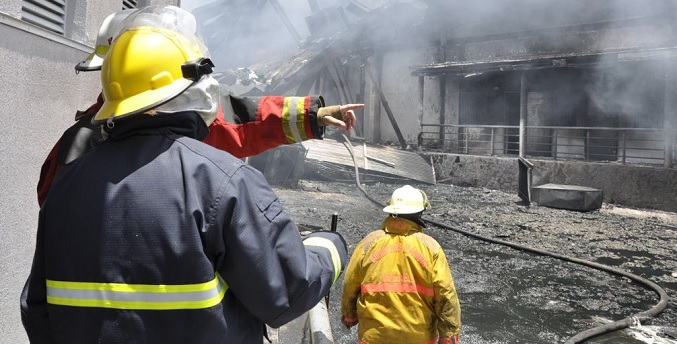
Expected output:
(401, 90)
(40, 94)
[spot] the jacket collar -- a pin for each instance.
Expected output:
(400, 226)
(187, 123)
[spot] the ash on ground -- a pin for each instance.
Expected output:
(509, 295)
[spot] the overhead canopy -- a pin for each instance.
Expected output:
(547, 61)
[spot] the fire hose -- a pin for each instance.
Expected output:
(580, 337)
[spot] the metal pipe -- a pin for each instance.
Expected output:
(318, 325)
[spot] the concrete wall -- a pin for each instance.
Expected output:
(626, 185)
(41, 93)
(401, 92)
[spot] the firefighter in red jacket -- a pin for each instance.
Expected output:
(153, 236)
(262, 122)
(398, 284)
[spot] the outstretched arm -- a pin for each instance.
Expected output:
(247, 126)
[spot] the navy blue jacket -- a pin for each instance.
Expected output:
(155, 206)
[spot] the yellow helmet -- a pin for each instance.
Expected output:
(149, 64)
(407, 200)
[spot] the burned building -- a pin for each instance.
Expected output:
(591, 81)
(551, 81)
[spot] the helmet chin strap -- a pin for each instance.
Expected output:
(110, 124)
(426, 202)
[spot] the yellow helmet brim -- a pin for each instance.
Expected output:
(141, 102)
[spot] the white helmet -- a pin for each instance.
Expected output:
(407, 200)
(104, 39)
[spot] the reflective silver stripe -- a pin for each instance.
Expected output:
(137, 296)
(326, 243)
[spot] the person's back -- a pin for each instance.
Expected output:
(398, 285)
(120, 215)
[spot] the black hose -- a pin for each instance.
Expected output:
(581, 336)
(599, 330)
(349, 146)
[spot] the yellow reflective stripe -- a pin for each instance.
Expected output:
(137, 296)
(301, 118)
(101, 50)
(293, 120)
(411, 203)
(326, 243)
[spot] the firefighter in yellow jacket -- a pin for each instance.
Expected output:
(398, 284)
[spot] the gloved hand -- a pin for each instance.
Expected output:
(342, 116)
(349, 322)
(337, 240)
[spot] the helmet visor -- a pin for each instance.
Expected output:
(170, 18)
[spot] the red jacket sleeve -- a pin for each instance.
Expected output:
(56, 157)
(48, 172)
(247, 126)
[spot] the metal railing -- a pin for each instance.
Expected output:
(653, 146)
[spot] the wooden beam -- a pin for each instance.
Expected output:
(384, 101)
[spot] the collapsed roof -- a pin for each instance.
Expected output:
(264, 50)
(334, 32)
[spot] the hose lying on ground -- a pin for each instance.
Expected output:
(599, 330)
(581, 336)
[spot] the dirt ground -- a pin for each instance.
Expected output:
(515, 296)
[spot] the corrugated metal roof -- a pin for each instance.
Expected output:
(374, 158)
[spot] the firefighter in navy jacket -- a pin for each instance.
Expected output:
(156, 237)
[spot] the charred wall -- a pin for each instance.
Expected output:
(626, 185)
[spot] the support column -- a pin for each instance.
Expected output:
(523, 115)
(372, 120)
(421, 100)
(443, 102)
(669, 117)
(442, 57)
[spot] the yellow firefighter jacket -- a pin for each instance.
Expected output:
(398, 286)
